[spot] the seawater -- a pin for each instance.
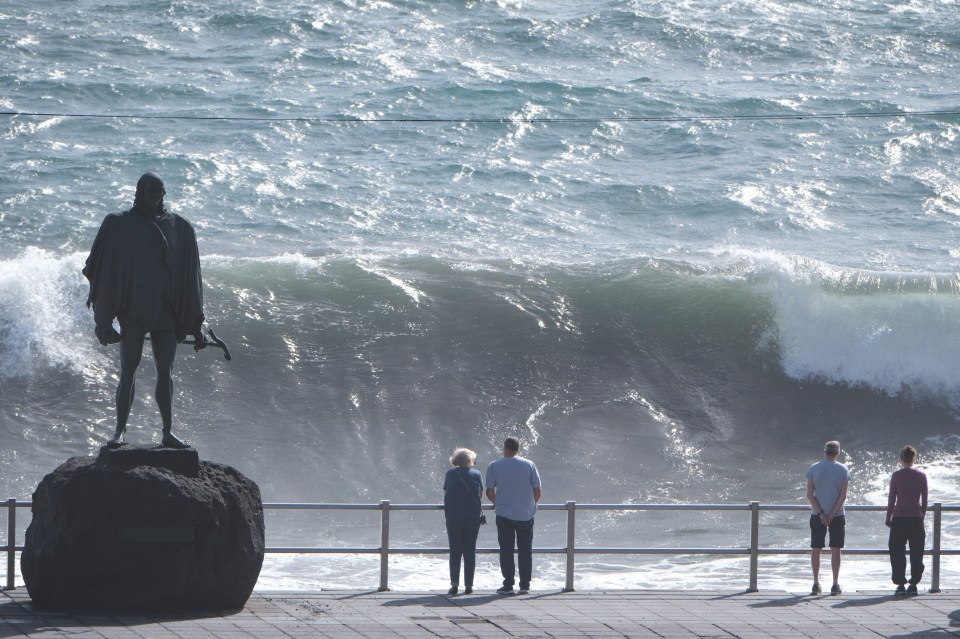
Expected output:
(639, 235)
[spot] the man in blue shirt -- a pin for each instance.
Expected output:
(513, 486)
(827, 482)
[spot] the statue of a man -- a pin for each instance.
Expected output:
(144, 271)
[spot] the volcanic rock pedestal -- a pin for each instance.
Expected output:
(144, 529)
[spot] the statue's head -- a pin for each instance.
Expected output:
(150, 192)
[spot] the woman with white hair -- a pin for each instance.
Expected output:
(462, 487)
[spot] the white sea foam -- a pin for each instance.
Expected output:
(42, 314)
(411, 291)
(892, 332)
(888, 340)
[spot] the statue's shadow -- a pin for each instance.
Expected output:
(29, 620)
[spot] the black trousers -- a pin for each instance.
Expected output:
(905, 530)
(521, 532)
(462, 534)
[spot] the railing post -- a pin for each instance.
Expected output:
(754, 545)
(11, 542)
(571, 543)
(935, 572)
(384, 544)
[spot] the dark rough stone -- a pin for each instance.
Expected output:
(180, 461)
(116, 536)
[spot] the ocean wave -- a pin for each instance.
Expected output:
(645, 367)
(894, 333)
(42, 314)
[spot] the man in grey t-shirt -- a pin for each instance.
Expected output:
(827, 482)
(513, 486)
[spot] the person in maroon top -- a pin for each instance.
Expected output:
(906, 507)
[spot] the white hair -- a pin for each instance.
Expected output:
(462, 456)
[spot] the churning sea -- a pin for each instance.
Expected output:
(674, 245)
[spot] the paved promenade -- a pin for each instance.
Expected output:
(670, 614)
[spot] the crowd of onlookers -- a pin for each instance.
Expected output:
(513, 487)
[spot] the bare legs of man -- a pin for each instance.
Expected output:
(164, 347)
(835, 554)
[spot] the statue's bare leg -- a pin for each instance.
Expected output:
(131, 352)
(164, 345)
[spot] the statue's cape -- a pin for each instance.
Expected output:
(120, 283)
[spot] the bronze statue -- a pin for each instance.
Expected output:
(144, 271)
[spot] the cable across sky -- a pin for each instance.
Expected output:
(496, 120)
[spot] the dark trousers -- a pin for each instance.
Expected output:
(508, 531)
(903, 530)
(462, 534)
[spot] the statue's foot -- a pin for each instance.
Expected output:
(171, 441)
(117, 440)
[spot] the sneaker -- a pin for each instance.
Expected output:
(505, 590)
(453, 590)
(912, 589)
(901, 591)
(468, 590)
(523, 591)
(835, 589)
(816, 590)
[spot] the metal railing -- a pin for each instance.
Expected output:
(570, 550)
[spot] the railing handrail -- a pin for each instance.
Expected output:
(754, 550)
(580, 506)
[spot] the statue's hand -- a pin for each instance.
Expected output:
(200, 341)
(107, 334)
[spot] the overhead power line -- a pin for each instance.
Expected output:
(492, 120)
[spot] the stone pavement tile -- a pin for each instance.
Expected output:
(487, 632)
(566, 631)
(193, 633)
(625, 627)
(348, 615)
(671, 631)
(642, 633)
